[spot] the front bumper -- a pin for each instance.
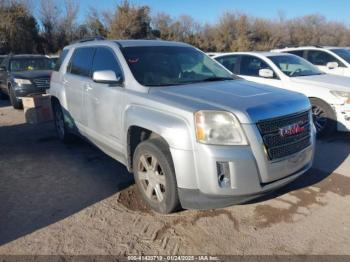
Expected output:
(343, 117)
(28, 90)
(251, 173)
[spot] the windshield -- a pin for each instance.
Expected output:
(294, 66)
(343, 53)
(30, 64)
(172, 65)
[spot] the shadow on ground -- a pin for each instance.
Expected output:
(44, 181)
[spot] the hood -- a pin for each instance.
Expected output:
(249, 101)
(32, 74)
(331, 82)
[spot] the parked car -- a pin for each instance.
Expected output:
(24, 75)
(331, 60)
(191, 133)
(328, 94)
(53, 59)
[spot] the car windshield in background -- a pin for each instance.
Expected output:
(172, 65)
(343, 53)
(294, 66)
(30, 64)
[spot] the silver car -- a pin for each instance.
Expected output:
(192, 134)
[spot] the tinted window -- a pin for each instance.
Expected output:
(343, 53)
(60, 60)
(172, 65)
(297, 52)
(251, 65)
(229, 62)
(81, 62)
(104, 59)
(321, 58)
(30, 64)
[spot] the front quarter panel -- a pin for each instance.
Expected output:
(173, 128)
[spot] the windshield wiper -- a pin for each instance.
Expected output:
(216, 78)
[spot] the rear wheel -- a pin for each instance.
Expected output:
(154, 175)
(15, 102)
(324, 117)
(60, 124)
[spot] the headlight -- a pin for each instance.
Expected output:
(342, 95)
(20, 81)
(218, 128)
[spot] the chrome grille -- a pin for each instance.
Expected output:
(277, 145)
(42, 83)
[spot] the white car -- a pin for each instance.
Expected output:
(331, 60)
(329, 94)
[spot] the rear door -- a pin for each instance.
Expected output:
(321, 58)
(103, 103)
(77, 78)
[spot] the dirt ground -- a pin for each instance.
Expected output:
(73, 199)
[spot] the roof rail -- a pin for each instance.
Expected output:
(93, 38)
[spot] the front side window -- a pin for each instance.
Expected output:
(251, 65)
(321, 58)
(343, 53)
(104, 59)
(172, 65)
(229, 62)
(30, 64)
(81, 62)
(294, 66)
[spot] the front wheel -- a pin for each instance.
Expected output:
(60, 124)
(15, 102)
(154, 175)
(324, 117)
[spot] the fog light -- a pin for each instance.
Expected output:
(223, 171)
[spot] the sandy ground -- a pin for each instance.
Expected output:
(73, 199)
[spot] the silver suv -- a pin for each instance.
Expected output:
(193, 134)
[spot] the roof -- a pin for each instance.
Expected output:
(130, 43)
(308, 47)
(257, 53)
(26, 55)
(133, 43)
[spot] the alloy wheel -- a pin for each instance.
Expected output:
(152, 178)
(319, 117)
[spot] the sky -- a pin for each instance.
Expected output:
(208, 11)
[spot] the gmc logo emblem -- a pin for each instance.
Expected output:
(291, 130)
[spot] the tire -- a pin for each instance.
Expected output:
(15, 102)
(324, 118)
(60, 125)
(154, 175)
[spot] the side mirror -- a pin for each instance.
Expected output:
(106, 77)
(266, 73)
(332, 65)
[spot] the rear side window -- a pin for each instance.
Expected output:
(61, 59)
(321, 58)
(105, 59)
(297, 52)
(81, 62)
(229, 62)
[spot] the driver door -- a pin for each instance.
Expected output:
(321, 58)
(249, 70)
